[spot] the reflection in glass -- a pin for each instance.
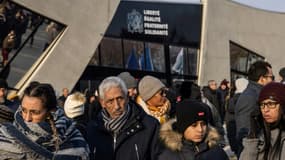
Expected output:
(33, 34)
(253, 58)
(183, 60)
(133, 51)
(95, 58)
(153, 59)
(111, 52)
(144, 56)
(238, 58)
(241, 59)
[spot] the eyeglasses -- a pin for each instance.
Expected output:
(163, 92)
(272, 76)
(270, 105)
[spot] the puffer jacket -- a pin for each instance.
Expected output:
(24, 140)
(137, 140)
(176, 148)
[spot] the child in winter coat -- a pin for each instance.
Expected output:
(190, 137)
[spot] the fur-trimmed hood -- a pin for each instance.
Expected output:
(173, 140)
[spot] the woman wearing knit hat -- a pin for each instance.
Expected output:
(267, 135)
(152, 98)
(190, 136)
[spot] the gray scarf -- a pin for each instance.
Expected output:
(115, 125)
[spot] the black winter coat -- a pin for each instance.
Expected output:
(212, 96)
(138, 139)
(178, 149)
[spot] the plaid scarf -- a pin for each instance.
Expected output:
(115, 125)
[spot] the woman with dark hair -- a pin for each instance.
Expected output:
(190, 137)
(267, 135)
(40, 129)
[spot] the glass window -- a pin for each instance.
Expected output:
(253, 58)
(241, 59)
(183, 60)
(153, 59)
(111, 52)
(133, 51)
(95, 58)
(238, 58)
(28, 38)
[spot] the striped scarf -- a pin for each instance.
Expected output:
(71, 140)
(114, 125)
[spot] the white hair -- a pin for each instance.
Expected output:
(112, 82)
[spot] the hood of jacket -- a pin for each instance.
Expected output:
(173, 140)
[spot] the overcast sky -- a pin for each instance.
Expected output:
(272, 5)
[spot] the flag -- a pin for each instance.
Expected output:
(146, 62)
(132, 62)
(178, 65)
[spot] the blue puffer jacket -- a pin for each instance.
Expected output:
(138, 139)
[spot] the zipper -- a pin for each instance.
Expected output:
(197, 148)
(137, 152)
(114, 141)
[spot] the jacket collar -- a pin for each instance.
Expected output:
(255, 86)
(134, 119)
(174, 141)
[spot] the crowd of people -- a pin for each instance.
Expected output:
(14, 23)
(146, 120)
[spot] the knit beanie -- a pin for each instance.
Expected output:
(241, 85)
(129, 80)
(74, 105)
(274, 91)
(188, 112)
(148, 86)
(282, 72)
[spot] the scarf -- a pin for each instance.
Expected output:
(71, 141)
(160, 112)
(115, 125)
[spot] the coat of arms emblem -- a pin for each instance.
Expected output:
(135, 22)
